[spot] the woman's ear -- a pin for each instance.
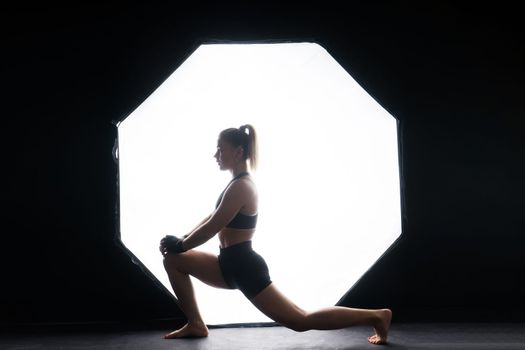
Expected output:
(239, 152)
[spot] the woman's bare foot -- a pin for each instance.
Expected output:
(189, 331)
(385, 317)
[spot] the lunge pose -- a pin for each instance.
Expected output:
(238, 266)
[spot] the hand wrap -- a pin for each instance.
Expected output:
(173, 244)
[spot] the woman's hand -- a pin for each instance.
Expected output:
(162, 247)
(171, 244)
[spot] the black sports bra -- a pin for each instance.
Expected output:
(240, 220)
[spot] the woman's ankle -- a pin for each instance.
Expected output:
(197, 324)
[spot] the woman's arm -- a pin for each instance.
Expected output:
(198, 225)
(231, 203)
(163, 242)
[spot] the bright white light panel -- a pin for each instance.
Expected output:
(328, 179)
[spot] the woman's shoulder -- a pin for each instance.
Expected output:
(243, 184)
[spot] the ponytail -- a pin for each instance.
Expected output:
(251, 151)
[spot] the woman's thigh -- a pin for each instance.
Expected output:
(201, 265)
(274, 304)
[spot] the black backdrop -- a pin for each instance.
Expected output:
(451, 73)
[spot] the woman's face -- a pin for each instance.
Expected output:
(227, 155)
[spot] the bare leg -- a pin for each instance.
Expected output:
(279, 308)
(183, 289)
(179, 267)
(337, 317)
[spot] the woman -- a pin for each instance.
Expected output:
(238, 265)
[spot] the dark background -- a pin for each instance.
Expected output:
(452, 73)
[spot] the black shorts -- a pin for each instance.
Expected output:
(244, 269)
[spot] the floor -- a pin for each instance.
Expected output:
(402, 336)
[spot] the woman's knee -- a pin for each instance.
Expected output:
(172, 261)
(298, 323)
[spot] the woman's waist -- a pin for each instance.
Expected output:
(237, 248)
(229, 237)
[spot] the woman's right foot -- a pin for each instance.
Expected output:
(385, 317)
(189, 331)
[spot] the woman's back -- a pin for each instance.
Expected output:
(241, 227)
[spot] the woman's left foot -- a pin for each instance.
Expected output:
(385, 317)
(189, 331)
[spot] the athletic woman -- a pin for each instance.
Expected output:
(238, 266)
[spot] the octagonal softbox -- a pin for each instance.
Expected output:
(328, 175)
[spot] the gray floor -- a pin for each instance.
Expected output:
(402, 336)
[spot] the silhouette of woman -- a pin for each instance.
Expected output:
(238, 266)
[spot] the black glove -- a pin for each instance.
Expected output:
(173, 244)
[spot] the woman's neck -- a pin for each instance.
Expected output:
(240, 168)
